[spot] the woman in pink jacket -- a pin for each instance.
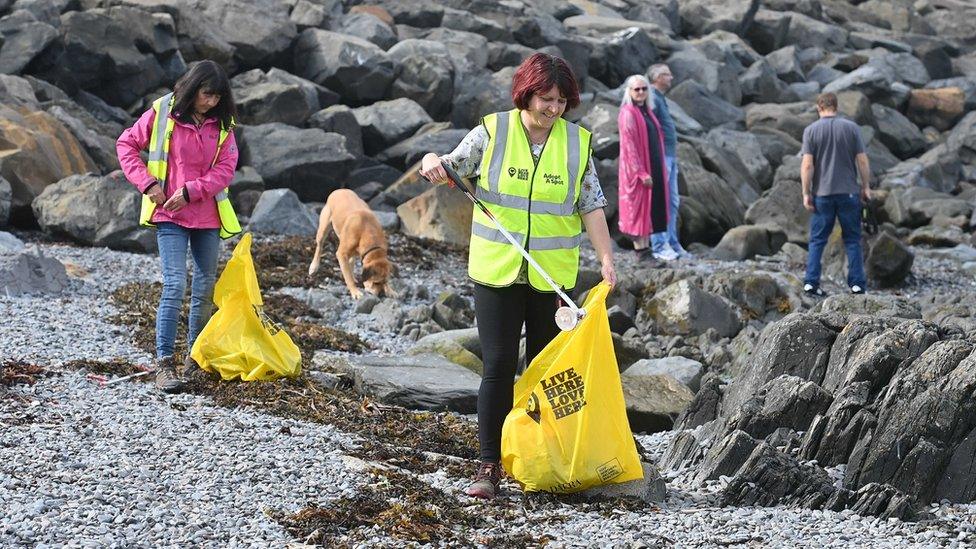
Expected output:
(642, 178)
(185, 214)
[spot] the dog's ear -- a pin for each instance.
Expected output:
(366, 274)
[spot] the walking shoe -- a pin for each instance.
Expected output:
(815, 291)
(855, 289)
(166, 378)
(666, 254)
(485, 484)
(190, 367)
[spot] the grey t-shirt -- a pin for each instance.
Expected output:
(834, 142)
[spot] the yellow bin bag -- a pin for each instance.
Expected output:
(568, 428)
(240, 340)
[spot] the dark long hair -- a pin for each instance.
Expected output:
(208, 76)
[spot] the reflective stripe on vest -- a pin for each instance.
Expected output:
(157, 166)
(536, 203)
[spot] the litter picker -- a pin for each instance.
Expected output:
(567, 316)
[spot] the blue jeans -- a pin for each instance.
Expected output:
(846, 208)
(173, 240)
(658, 240)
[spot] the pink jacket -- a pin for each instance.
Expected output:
(634, 166)
(191, 150)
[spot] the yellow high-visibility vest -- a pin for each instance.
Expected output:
(157, 165)
(536, 203)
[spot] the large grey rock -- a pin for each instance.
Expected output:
(782, 206)
(876, 82)
(791, 118)
(340, 119)
(91, 134)
(719, 77)
(898, 133)
(268, 97)
(748, 241)
(706, 108)
(888, 261)
(23, 39)
(102, 51)
(685, 370)
(726, 456)
(785, 401)
(684, 308)
(426, 75)
(760, 84)
(410, 151)
(31, 274)
(786, 65)
(770, 477)
(359, 70)
(386, 123)
(95, 210)
(440, 213)
(747, 149)
(310, 162)
(799, 345)
(279, 211)
(479, 95)
(420, 382)
(653, 402)
(368, 27)
(704, 16)
(452, 345)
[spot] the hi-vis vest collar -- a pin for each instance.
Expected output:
(157, 166)
(535, 201)
(505, 120)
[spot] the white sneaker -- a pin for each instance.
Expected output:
(855, 289)
(666, 254)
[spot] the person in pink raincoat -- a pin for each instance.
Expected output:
(642, 176)
(185, 215)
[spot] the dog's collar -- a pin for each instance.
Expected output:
(374, 248)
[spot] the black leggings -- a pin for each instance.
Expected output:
(501, 313)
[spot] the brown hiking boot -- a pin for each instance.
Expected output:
(486, 480)
(190, 367)
(166, 378)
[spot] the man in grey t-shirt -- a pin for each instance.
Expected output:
(833, 158)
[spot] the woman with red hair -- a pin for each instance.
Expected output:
(535, 174)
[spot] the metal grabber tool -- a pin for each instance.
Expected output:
(567, 316)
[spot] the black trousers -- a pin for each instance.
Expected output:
(501, 312)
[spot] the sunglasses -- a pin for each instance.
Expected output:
(640, 89)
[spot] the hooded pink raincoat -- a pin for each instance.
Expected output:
(191, 151)
(638, 216)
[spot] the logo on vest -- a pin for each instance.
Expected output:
(554, 179)
(523, 174)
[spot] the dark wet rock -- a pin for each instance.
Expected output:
(705, 406)
(726, 456)
(786, 401)
(420, 382)
(770, 477)
(888, 261)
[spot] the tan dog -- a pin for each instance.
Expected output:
(360, 235)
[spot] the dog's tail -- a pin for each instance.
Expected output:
(325, 224)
